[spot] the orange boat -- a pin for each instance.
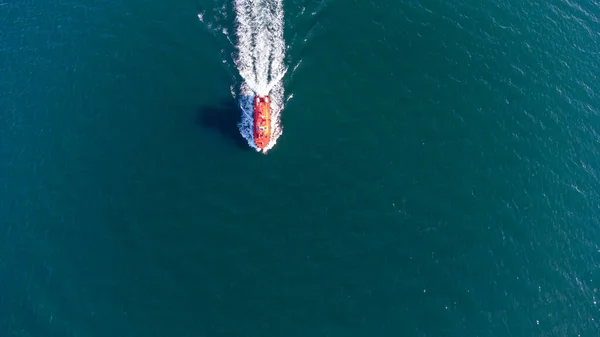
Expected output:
(262, 121)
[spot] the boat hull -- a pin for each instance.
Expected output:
(262, 121)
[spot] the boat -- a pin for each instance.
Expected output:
(262, 121)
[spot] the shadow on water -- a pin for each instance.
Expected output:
(224, 118)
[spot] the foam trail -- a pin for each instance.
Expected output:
(260, 61)
(244, 33)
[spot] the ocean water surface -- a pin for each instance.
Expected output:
(437, 172)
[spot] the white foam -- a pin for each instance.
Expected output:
(260, 62)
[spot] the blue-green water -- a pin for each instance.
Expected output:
(437, 174)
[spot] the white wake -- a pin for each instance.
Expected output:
(260, 62)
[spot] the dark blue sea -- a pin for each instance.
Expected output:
(437, 172)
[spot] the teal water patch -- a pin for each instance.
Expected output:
(437, 174)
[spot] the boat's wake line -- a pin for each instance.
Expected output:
(260, 62)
